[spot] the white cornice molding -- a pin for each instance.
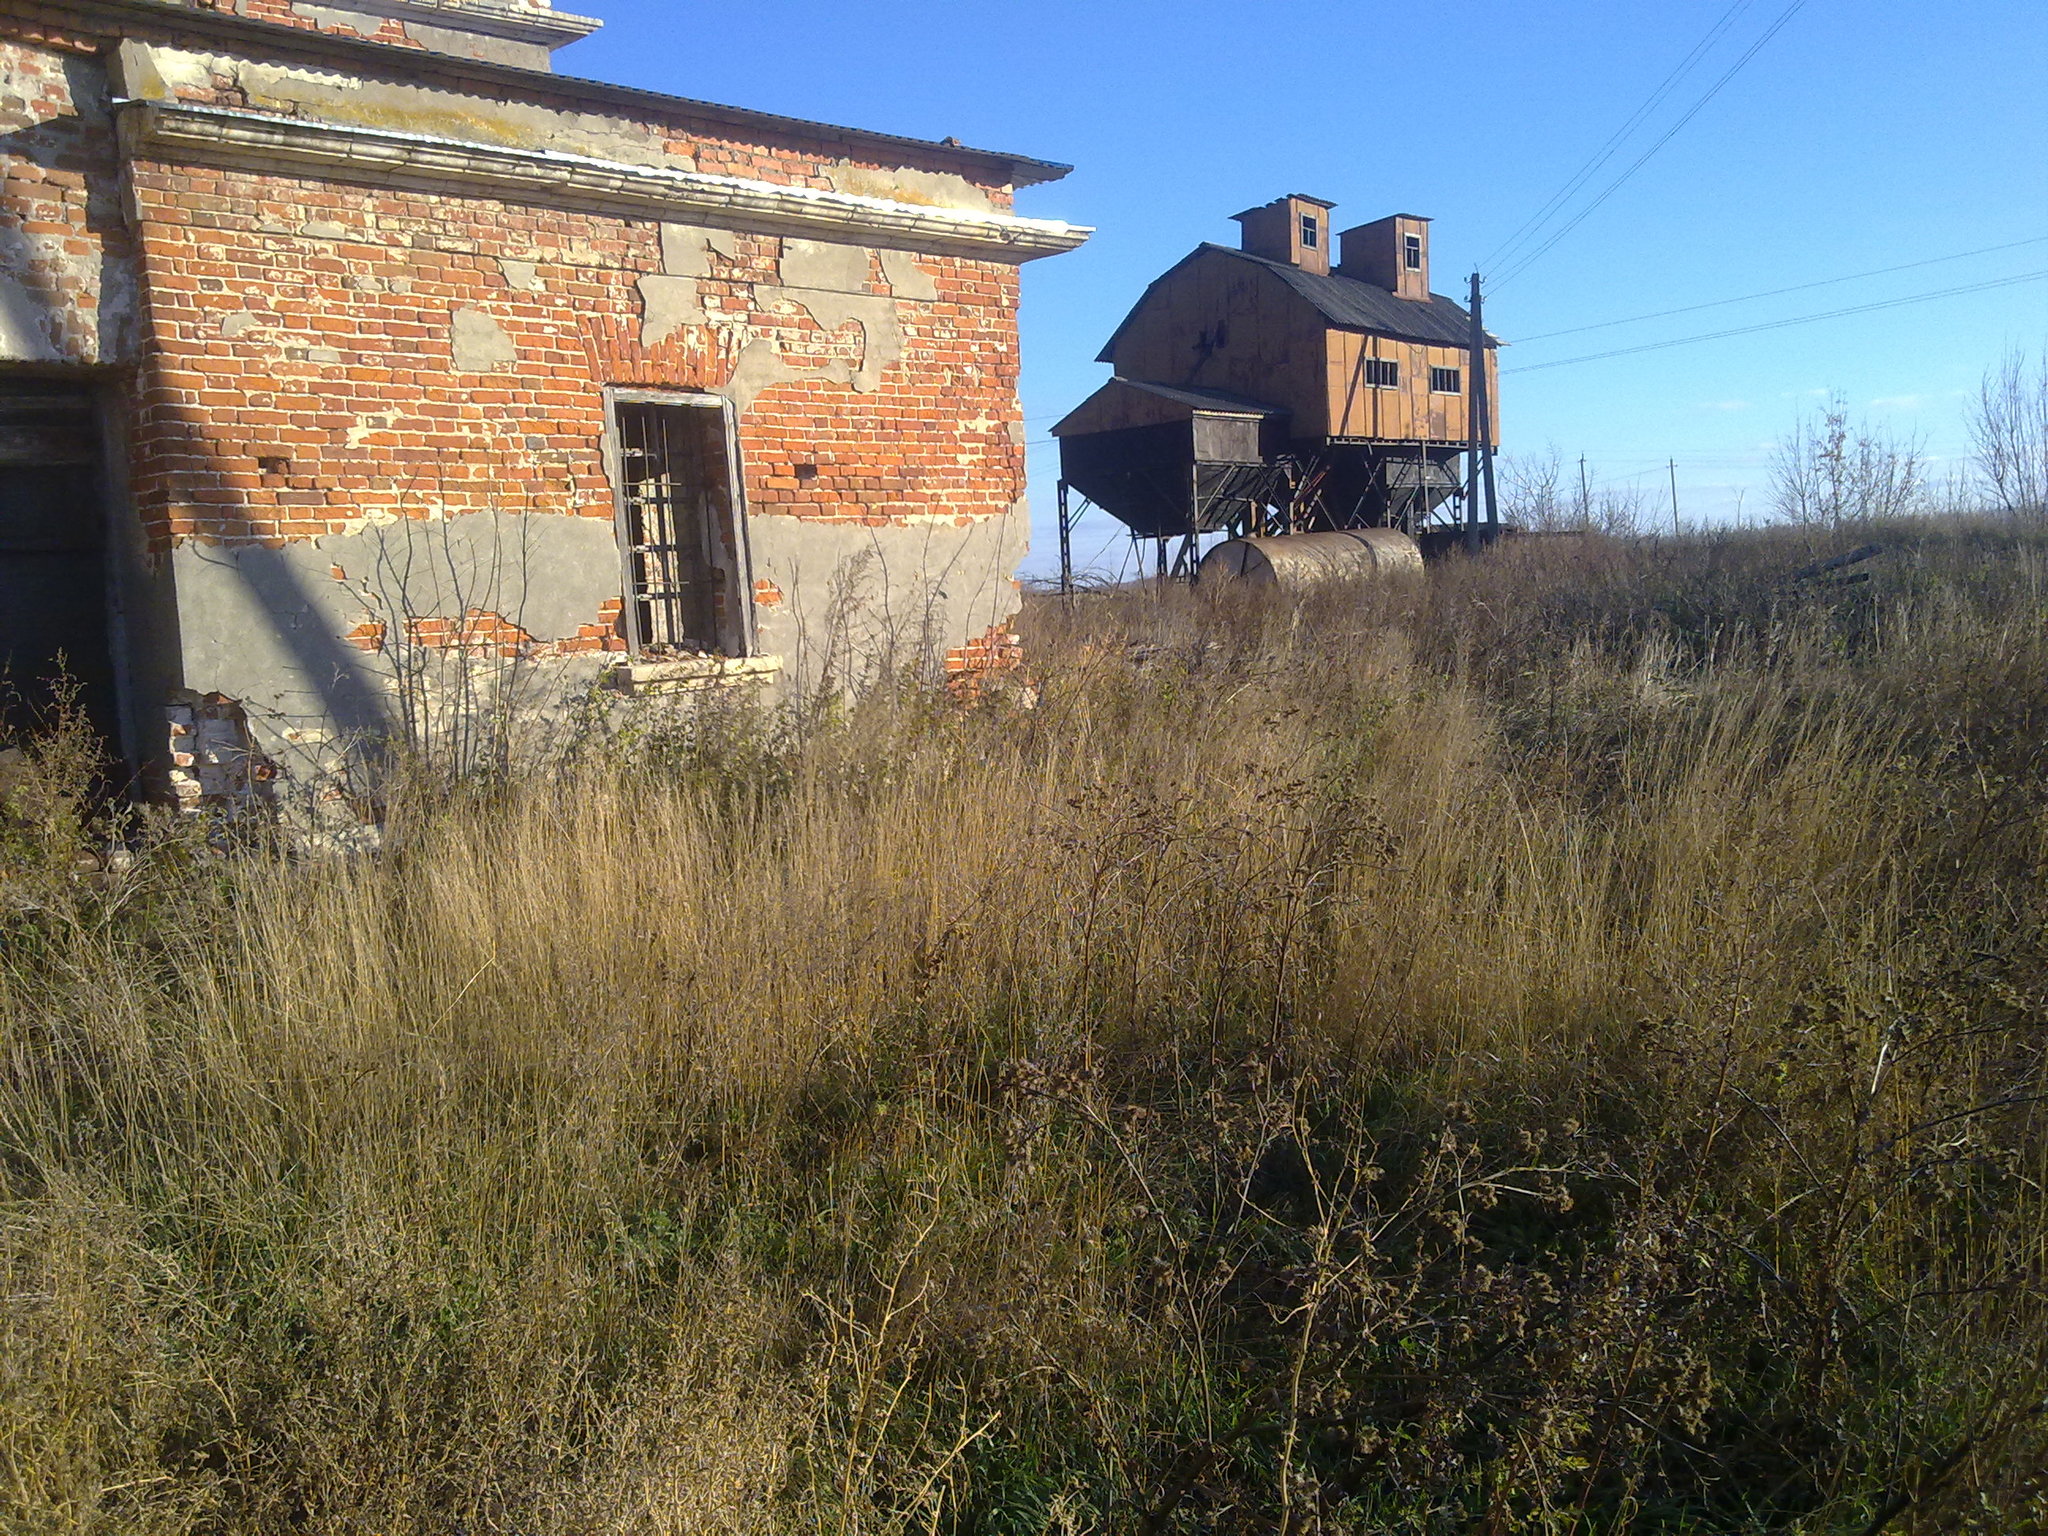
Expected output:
(291, 146)
(549, 29)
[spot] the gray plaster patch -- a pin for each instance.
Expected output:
(523, 275)
(238, 322)
(547, 573)
(882, 336)
(324, 229)
(907, 280)
(667, 304)
(861, 601)
(480, 343)
(762, 366)
(685, 250)
(825, 265)
(269, 627)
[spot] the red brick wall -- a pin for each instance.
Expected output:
(63, 243)
(302, 381)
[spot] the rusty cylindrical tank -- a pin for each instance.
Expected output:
(1294, 561)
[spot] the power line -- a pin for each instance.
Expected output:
(1774, 325)
(1612, 147)
(1772, 293)
(1784, 19)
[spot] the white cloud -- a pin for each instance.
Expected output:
(1724, 405)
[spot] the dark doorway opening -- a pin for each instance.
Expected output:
(55, 641)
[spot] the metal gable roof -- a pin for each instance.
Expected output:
(1212, 400)
(1359, 306)
(1342, 301)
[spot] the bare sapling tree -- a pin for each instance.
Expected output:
(1828, 471)
(1531, 492)
(2009, 424)
(1535, 496)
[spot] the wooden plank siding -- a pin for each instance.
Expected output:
(1411, 412)
(1236, 327)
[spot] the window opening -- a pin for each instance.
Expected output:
(1382, 373)
(1411, 246)
(1446, 381)
(676, 513)
(1311, 235)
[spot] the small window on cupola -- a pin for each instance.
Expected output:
(1411, 252)
(1311, 232)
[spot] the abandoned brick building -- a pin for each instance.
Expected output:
(362, 377)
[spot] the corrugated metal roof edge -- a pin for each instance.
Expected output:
(1024, 170)
(1212, 401)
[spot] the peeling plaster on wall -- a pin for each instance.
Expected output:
(894, 597)
(547, 573)
(686, 249)
(826, 265)
(907, 280)
(263, 626)
(237, 322)
(667, 304)
(480, 344)
(935, 189)
(762, 366)
(671, 300)
(523, 275)
(65, 293)
(882, 345)
(336, 96)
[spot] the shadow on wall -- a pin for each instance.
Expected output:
(409, 634)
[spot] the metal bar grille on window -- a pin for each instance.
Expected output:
(673, 466)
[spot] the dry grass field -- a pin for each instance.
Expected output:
(1559, 1049)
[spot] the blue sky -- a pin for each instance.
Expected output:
(1865, 134)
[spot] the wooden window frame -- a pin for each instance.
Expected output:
(1382, 372)
(737, 636)
(1411, 252)
(1436, 375)
(1311, 232)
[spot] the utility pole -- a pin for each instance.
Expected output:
(1066, 544)
(1585, 494)
(1672, 465)
(1480, 431)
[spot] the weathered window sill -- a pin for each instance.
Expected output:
(689, 674)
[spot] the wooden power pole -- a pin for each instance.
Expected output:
(1480, 478)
